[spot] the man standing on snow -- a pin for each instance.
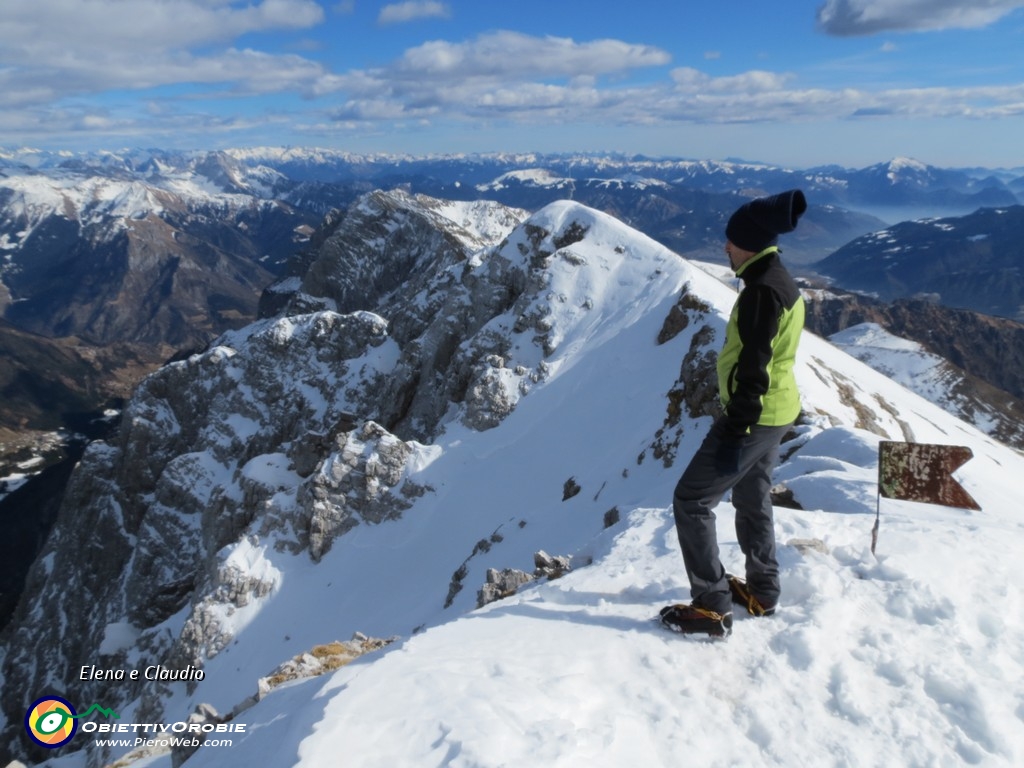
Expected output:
(760, 400)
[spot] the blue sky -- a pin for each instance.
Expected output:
(799, 83)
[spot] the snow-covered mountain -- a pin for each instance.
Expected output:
(900, 182)
(904, 181)
(541, 177)
(158, 257)
(967, 261)
(987, 350)
(367, 460)
(112, 264)
(170, 247)
(936, 379)
(118, 261)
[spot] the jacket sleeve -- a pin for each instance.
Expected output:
(757, 322)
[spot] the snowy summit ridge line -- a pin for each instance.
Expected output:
(244, 523)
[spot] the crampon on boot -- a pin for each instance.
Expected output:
(741, 595)
(692, 620)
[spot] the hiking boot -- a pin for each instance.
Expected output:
(741, 595)
(691, 620)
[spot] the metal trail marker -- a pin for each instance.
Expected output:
(921, 472)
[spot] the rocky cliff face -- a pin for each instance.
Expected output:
(429, 250)
(286, 433)
(103, 277)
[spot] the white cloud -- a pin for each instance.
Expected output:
(243, 72)
(867, 17)
(412, 10)
(501, 78)
(35, 28)
(758, 96)
(440, 90)
(516, 78)
(78, 47)
(515, 55)
(502, 75)
(754, 82)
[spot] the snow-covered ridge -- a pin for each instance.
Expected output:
(90, 199)
(546, 178)
(872, 337)
(545, 674)
(34, 197)
(539, 177)
(889, 659)
(929, 375)
(899, 164)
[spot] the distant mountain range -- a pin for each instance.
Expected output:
(899, 183)
(112, 263)
(682, 204)
(971, 261)
(157, 258)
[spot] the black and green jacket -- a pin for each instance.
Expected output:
(755, 367)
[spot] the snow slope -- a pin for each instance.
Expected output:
(931, 376)
(906, 362)
(913, 657)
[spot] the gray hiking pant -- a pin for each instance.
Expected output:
(699, 491)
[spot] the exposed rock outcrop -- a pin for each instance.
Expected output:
(285, 435)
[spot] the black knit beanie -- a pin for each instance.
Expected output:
(757, 225)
